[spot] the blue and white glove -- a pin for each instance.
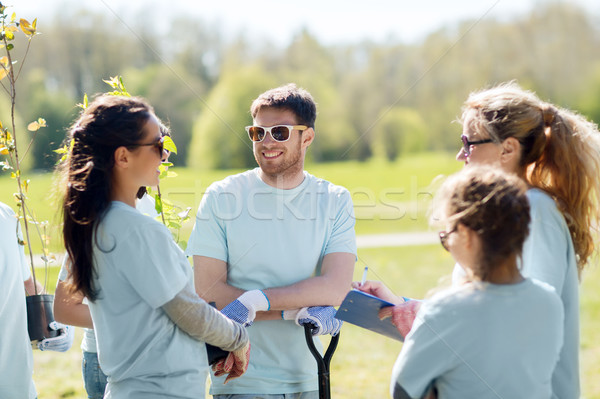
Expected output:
(322, 317)
(243, 310)
(62, 342)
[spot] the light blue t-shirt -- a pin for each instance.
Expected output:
(16, 358)
(271, 238)
(481, 340)
(140, 268)
(88, 344)
(549, 256)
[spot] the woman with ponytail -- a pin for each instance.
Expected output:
(557, 153)
(150, 325)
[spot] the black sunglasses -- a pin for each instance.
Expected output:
(278, 133)
(467, 144)
(444, 238)
(158, 144)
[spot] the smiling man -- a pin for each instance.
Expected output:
(276, 247)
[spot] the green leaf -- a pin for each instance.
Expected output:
(113, 82)
(158, 206)
(84, 105)
(173, 225)
(10, 46)
(122, 87)
(169, 145)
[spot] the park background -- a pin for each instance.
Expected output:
(389, 79)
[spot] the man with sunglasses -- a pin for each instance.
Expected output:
(276, 246)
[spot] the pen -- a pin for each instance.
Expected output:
(364, 277)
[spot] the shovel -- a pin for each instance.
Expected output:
(322, 361)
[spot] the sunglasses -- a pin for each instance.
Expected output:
(158, 144)
(279, 133)
(444, 238)
(467, 144)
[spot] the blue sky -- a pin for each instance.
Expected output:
(332, 21)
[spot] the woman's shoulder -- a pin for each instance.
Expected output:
(451, 297)
(539, 199)
(123, 217)
(543, 206)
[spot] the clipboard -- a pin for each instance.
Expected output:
(362, 309)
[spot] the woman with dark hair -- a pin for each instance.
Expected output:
(71, 308)
(147, 317)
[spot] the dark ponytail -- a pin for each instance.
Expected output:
(107, 123)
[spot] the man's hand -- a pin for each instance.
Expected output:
(322, 317)
(235, 364)
(243, 310)
(62, 343)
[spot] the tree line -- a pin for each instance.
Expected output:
(380, 100)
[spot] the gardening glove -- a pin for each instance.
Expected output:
(322, 317)
(243, 310)
(62, 343)
(289, 314)
(403, 315)
(235, 364)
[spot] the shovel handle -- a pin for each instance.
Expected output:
(322, 361)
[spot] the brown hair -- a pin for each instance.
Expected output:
(494, 205)
(560, 153)
(291, 98)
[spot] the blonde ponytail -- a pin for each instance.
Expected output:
(569, 170)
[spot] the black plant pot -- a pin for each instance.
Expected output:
(39, 316)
